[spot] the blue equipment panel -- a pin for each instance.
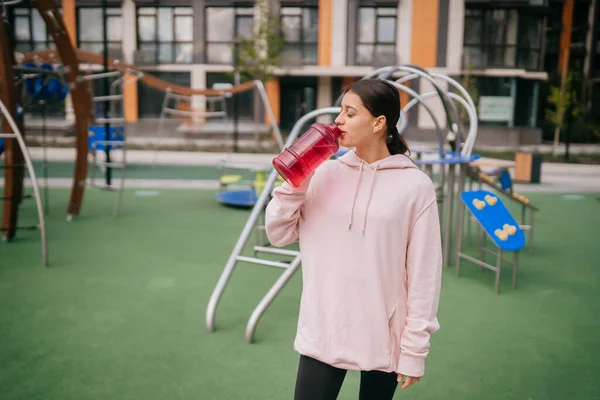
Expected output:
(495, 219)
(238, 198)
(97, 138)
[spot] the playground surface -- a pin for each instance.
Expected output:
(119, 313)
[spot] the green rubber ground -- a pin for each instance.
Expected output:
(119, 314)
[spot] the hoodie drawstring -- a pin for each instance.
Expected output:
(368, 201)
(355, 193)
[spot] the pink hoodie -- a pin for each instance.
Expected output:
(371, 262)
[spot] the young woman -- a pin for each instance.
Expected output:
(369, 235)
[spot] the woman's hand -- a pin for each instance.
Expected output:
(410, 380)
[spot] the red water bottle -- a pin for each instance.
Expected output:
(301, 159)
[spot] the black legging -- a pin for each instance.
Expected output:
(320, 381)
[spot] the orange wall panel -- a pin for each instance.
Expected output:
(324, 41)
(424, 33)
(272, 88)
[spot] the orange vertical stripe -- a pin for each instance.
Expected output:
(324, 43)
(130, 98)
(68, 10)
(272, 88)
(347, 81)
(424, 33)
(565, 37)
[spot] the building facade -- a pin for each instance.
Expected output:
(507, 47)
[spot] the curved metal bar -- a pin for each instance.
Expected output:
(418, 97)
(402, 123)
(385, 72)
(452, 123)
(473, 123)
(36, 189)
(246, 232)
(263, 95)
(452, 96)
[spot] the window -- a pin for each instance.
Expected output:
(502, 38)
(224, 26)
(30, 31)
(300, 29)
(90, 33)
(376, 36)
(167, 32)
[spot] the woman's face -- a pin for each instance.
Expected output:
(360, 127)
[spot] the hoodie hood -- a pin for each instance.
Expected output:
(396, 161)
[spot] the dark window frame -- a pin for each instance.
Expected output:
(83, 43)
(485, 48)
(31, 43)
(157, 42)
(235, 38)
(375, 42)
(302, 43)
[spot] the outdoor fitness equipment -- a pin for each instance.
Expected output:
(449, 159)
(498, 225)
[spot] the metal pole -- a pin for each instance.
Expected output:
(106, 93)
(236, 110)
(45, 156)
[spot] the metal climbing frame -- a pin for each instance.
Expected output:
(171, 106)
(172, 101)
(115, 120)
(289, 267)
(16, 135)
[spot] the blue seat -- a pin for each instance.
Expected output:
(238, 198)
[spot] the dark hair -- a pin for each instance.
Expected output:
(382, 98)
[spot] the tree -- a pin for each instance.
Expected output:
(258, 57)
(564, 98)
(469, 83)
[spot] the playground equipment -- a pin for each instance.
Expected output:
(109, 133)
(16, 156)
(12, 132)
(499, 225)
(460, 155)
(502, 183)
(289, 266)
(177, 103)
(42, 86)
(174, 90)
(247, 191)
(180, 106)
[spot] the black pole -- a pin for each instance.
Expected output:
(236, 108)
(569, 120)
(106, 90)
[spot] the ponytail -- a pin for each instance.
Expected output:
(396, 143)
